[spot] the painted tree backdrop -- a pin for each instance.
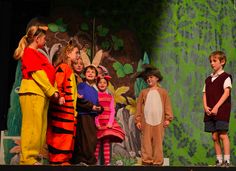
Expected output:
(178, 36)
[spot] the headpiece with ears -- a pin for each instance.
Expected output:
(96, 60)
(106, 77)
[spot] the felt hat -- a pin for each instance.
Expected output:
(149, 70)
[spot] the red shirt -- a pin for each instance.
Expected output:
(32, 61)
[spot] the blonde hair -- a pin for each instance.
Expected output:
(220, 55)
(63, 57)
(28, 39)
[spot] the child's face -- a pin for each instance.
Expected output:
(102, 85)
(73, 55)
(216, 64)
(79, 66)
(41, 40)
(90, 74)
(152, 80)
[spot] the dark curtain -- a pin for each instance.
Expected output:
(6, 60)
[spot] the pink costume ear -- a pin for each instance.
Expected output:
(107, 77)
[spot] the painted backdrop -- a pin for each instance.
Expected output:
(176, 36)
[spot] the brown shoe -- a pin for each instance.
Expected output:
(65, 164)
(146, 163)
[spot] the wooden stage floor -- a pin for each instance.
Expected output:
(109, 168)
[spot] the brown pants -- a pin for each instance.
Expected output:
(151, 144)
(85, 140)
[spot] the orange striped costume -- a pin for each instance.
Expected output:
(61, 126)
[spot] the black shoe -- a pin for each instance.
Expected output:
(218, 163)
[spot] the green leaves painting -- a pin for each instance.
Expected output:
(58, 26)
(122, 70)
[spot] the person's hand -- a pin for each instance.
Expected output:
(139, 125)
(214, 111)
(55, 97)
(207, 110)
(96, 108)
(61, 100)
(109, 125)
(99, 127)
(80, 96)
(166, 123)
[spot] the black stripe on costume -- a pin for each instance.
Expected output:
(69, 100)
(60, 119)
(68, 93)
(61, 130)
(59, 70)
(57, 151)
(65, 106)
(61, 111)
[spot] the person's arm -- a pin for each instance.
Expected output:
(225, 95)
(40, 77)
(97, 122)
(139, 111)
(206, 108)
(168, 111)
(85, 104)
(112, 114)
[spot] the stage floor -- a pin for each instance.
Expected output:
(109, 168)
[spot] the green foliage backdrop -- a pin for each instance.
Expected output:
(188, 31)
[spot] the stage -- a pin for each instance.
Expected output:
(109, 168)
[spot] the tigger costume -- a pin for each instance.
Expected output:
(61, 126)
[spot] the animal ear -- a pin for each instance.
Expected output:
(85, 58)
(97, 58)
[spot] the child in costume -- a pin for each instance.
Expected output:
(37, 87)
(217, 106)
(108, 129)
(154, 114)
(61, 127)
(87, 107)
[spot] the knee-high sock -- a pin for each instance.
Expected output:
(106, 145)
(97, 150)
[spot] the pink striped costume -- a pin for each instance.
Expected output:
(108, 129)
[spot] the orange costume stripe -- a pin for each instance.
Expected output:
(61, 128)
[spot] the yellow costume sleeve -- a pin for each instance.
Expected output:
(40, 77)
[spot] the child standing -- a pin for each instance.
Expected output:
(87, 107)
(37, 86)
(62, 116)
(108, 129)
(217, 106)
(154, 113)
